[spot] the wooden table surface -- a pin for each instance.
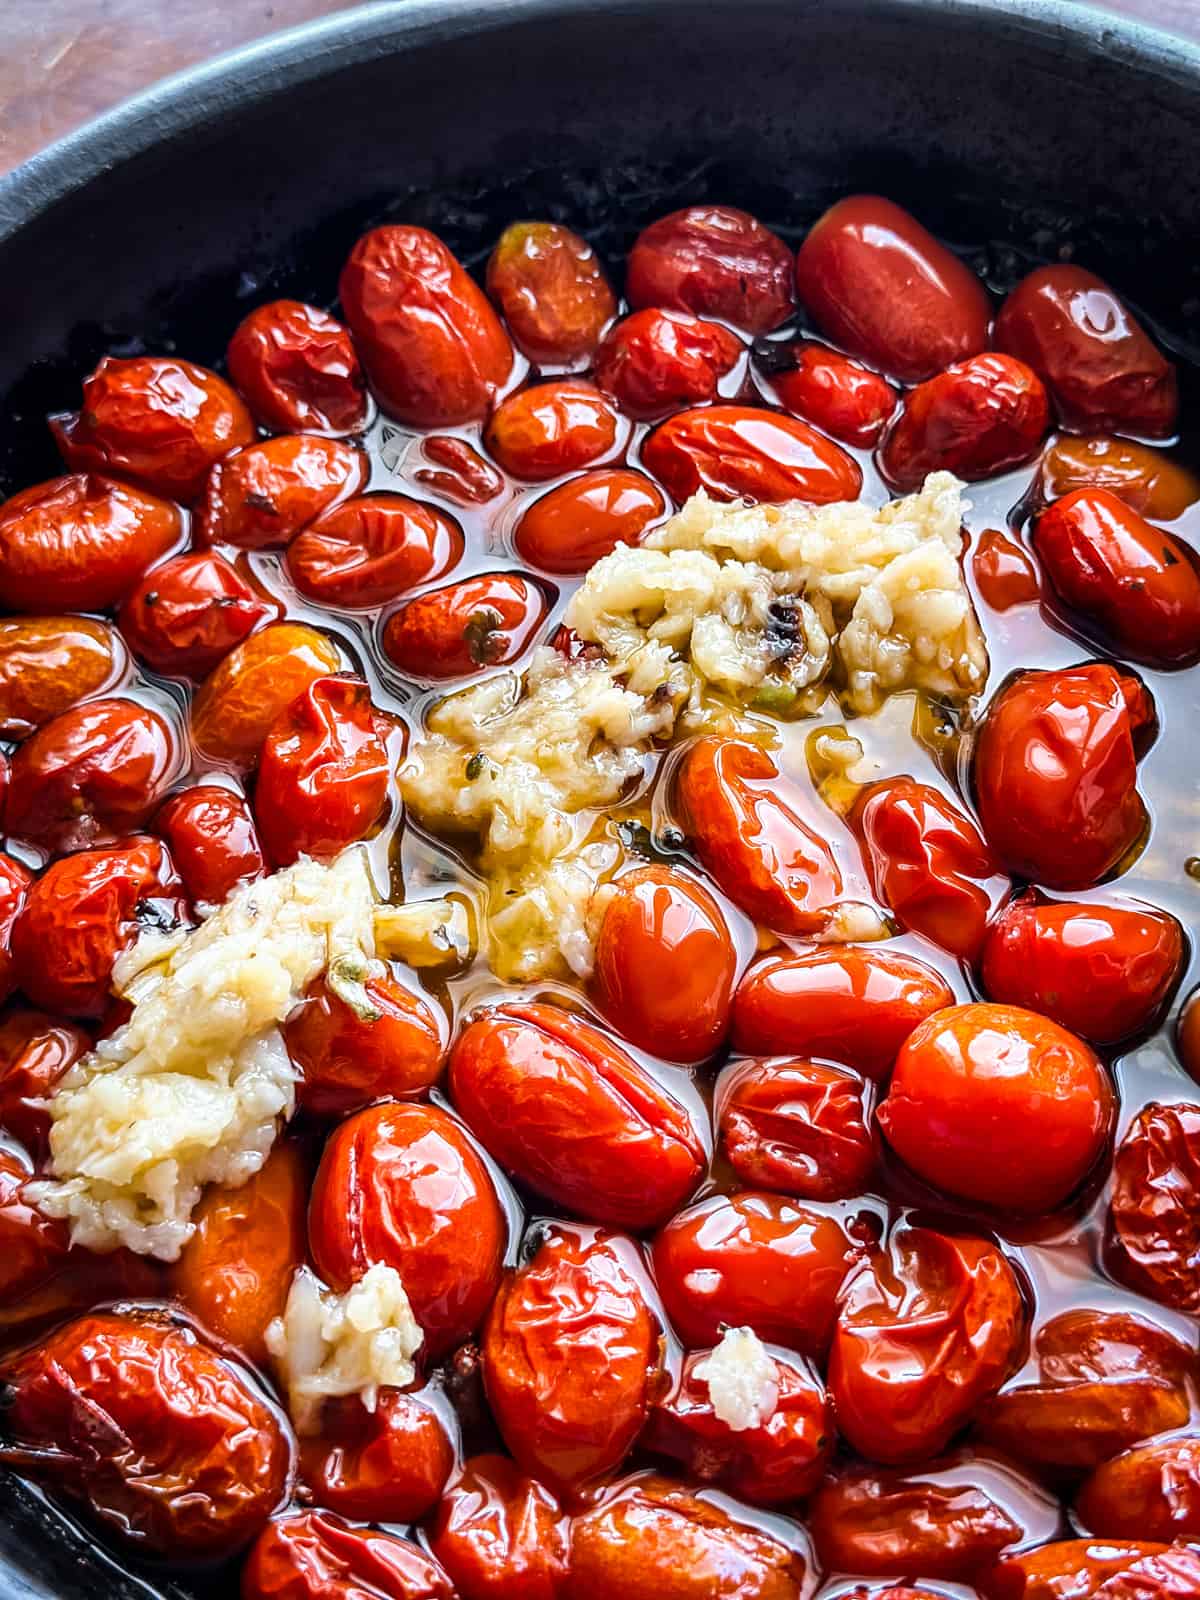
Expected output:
(66, 60)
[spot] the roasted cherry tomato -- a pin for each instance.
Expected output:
(978, 417)
(49, 664)
(1104, 972)
(187, 615)
(552, 291)
(1102, 369)
(211, 836)
(80, 543)
(744, 453)
(714, 261)
(1003, 571)
(263, 496)
(1126, 582)
(1149, 1492)
(236, 704)
(297, 369)
(158, 420)
(998, 1105)
(570, 1352)
(1055, 774)
(1069, 1569)
(798, 1127)
(372, 549)
(402, 1185)
(552, 428)
(14, 892)
(576, 523)
(456, 471)
(310, 1555)
(1155, 1210)
(655, 362)
(33, 1247)
(829, 390)
(1187, 1034)
(856, 1006)
(1172, 1574)
(562, 1106)
(882, 287)
(433, 347)
(501, 1535)
(386, 1465)
(166, 1443)
(452, 632)
(35, 1052)
(1148, 481)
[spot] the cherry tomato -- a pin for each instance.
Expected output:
(656, 362)
(570, 1351)
(310, 1555)
(1154, 1211)
(1104, 972)
(1172, 1574)
(165, 1442)
(488, 621)
(577, 522)
(263, 496)
(1102, 369)
(1148, 481)
(1149, 1492)
(552, 428)
(212, 839)
(458, 472)
(501, 1535)
(1003, 571)
(743, 453)
(829, 390)
(348, 1059)
(856, 1006)
(1055, 773)
(373, 549)
(187, 615)
(797, 1127)
(386, 1465)
(402, 1185)
(998, 1105)
(885, 290)
(561, 1106)
(552, 292)
(33, 1247)
(14, 892)
(298, 370)
(1187, 1035)
(35, 1052)
(49, 664)
(433, 347)
(1069, 1569)
(234, 707)
(978, 417)
(80, 543)
(715, 261)
(91, 775)
(155, 419)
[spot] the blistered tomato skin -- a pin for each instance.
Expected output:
(35, 1051)
(562, 1106)
(1105, 972)
(1154, 1214)
(501, 1535)
(297, 369)
(33, 1248)
(998, 1105)
(312, 1555)
(744, 453)
(1003, 571)
(978, 417)
(402, 1185)
(552, 428)
(1149, 1492)
(386, 1465)
(434, 349)
(80, 543)
(187, 615)
(262, 497)
(552, 292)
(829, 390)
(14, 891)
(577, 522)
(797, 1127)
(213, 842)
(49, 664)
(1104, 373)
(714, 261)
(157, 420)
(1069, 1569)
(1149, 482)
(372, 549)
(453, 632)
(457, 471)
(1172, 1574)
(655, 362)
(884, 289)
(234, 707)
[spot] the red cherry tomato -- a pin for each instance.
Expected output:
(656, 362)
(14, 891)
(501, 1535)
(1102, 369)
(1148, 481)
(187, 615)
(829, 390)
(265, 495)
(798, 1127)
(743, 453)
(310, 1555)
(212, 839)
(372, 549)
(998, 1105)
(1003, 571)
(433, 347)
(1149, 1492)
(298, 370)
(35, 1052)
(978, 417)
(714, 261)
(576, 523)
(386, 1465)
(1069, 1569)
(552, 428)
(552, 292)
(1155, 1211)
(33, 1247)
(453, 632)
(458, 472)
(1162, 1575)
(882, 287)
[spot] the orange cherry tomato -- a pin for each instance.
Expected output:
(744, 453)
(263, 496)
(402, 1185)
(35, 1051)
(457, 471)
(501, 1535)
(187, 615)
(552, 292)
(14, 891)
(234, 707)
(884, 289)
(577, 522)
(798, 1127)
(434, 349)
(570, 1351)
(49, 664)
(1149, 1492)
(714, 261)
(998, 1105)
(372, 549)
(829, 390)
(386, 1465)
(158, 420)
(552, 428)
(1148, 481)
(33, 1247)
(1103, 371)
(1154, 1212)
(561, 1106)
(978, 417)
(80, 543)
(655, 362)
(488, 621)
(298, 370)
(1069, 1569)
(311, 1555)
(212, 839)
(1003, 571)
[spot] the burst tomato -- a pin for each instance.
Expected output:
(978, 417)
(386, 1465)
(187, 615)
(1154, 1211)
(310, 1555)
(488, 621)
(456, 471)
(35, 1051)
(571, 527)
(745, 453)
(656, 362)
(263, 496)
(798, 1127)
(1003, 571)
(501, 1535)
(829, 390)
(234, 707)
(49, 664)
(298, 370)
(212, 839)
(372, 549)
(552, 292)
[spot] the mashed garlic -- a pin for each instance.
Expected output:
(743, 1381)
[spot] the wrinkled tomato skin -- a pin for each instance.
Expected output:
(577, 522)
(745, 453)
(1172, 1574)
(311, 1555)
(1126, 582)
(347, 1061)
(885, 290)
(260, 498)
(501, 1535)
(927, 1329)
(552, 292)
(50, 664)
(1148, 481)
(91, 776)
(1154, 1213)
(552, 428)
(832, 392)
(14, 892)
(855, 1006)
(234, 707)
(752, 1260)
(434, 349)
(998, 1105)
(714, 261)
(323, 773)
(570, 1353)
(458, 472)
(665, 965)
(1055, 774)
(1149, 1492)
(213, 841)
(1103, 371)
(297, 370)
(1069, 1569)
(453, 632)
(80, 543)
(401, 1184)
(979, 417)
(1003, 571)
(32, 1246)
(161, 1438)
(372, 549)
(185, 617)
(35, 1051)
(796, 1127)
(157, 420)
(655, 362)
(388, 1465)
(562, 1106)
(1104, 972)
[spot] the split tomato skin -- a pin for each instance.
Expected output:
(297, 369)
(796, 1127)
(49, 665)
(213, 842)
(489, 621)
(552, 292)
(576, 523)
(261, 497)
(372, 549)
(1154, 1216)
(1004, 571)
(312, 1555)
(386, 1465)
(655, 362)
(185, 616)
(826, 388)
(745, 453)
(500, 1534)
(714, 261)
